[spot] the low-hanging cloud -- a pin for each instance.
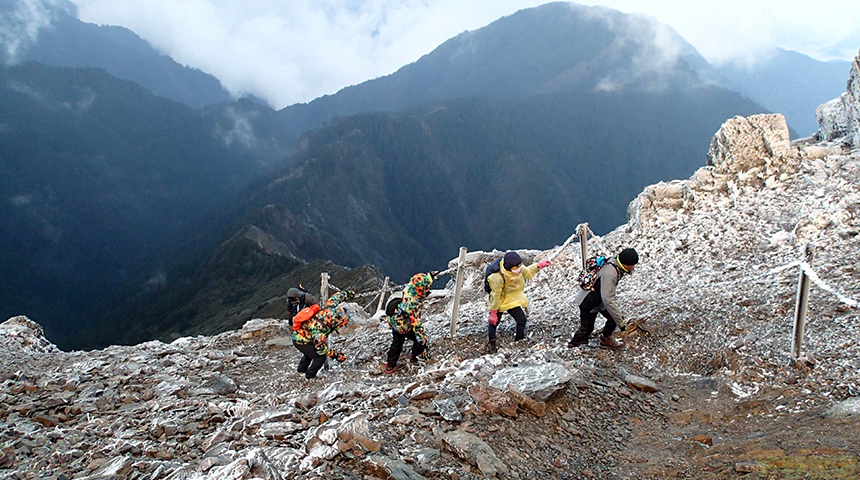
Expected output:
(20, 24)
(295, 51)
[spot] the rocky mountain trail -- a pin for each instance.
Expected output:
(705, 386)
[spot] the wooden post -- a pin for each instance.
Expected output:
(323, 288)
(800, 308)
(455, 310)
(382, 294)
(582, 230)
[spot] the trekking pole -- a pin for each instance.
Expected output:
(382, 294)
(801, 307)
(457, 290)
(582, 231)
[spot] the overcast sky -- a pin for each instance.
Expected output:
(290, 51)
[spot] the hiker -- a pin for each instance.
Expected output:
(507, 295)
(601, 299)
(300, 299)
(311, 328)
(406, 322)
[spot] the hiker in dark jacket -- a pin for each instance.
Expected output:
(602, 300)
(311, 328)
(300, 299)
(507, 295)
(406, 322)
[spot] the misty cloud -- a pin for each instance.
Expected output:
(240, 130)
(20, 23)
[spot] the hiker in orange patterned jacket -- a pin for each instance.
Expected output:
(406, 322)
(311, 327)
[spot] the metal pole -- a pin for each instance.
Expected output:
(323, 288)
(457, 290)
(582, 230)
(800, 308)
(382, 294)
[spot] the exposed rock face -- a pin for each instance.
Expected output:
(840, 117)
(22, 334)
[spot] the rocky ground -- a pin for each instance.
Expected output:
(705, 387)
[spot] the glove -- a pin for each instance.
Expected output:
(339, 356)
(543, 263)
(350, 294)
(494, 317)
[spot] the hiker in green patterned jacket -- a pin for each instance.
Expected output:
(311, 328)
(406, 322)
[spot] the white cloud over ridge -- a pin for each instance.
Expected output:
(295, 51)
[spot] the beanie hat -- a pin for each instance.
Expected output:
(512, 259)
(628, 256)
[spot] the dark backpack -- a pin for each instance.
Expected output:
(492, 268)
(392, 303)
(588, 275)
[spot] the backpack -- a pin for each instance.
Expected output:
(588, 275)
(492, 268)
(392, 303)
(304, 315)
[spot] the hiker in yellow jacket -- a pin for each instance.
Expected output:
(507, 295)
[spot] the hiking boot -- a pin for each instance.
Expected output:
(609, 342)
(491, 347)
(395, 368)
(414, 360)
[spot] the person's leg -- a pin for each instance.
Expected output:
(395, 349)
(586, 325)
(520, 317)
(315, 360)
(417, 347)
(317, 363)
(303, 364)
(304, 361)
(610, 326)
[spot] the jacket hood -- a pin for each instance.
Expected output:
(419, 285)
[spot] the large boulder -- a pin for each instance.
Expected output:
(746, 143)
(22, 334)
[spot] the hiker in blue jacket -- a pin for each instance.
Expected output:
(601, 299)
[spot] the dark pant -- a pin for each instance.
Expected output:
(587, 315)
(519, 316)
(311, 361)
(397, 347)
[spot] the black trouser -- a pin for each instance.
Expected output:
(519, 316)
(587, 315)
(397, 346)
(311, 361)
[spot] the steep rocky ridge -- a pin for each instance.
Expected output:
(705, 387)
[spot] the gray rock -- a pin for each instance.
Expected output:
(845, 408)
(448, 410)
(536, 381)
(475, 451)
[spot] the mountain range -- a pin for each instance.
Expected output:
(137, 216)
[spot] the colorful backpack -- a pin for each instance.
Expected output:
(588, 275)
